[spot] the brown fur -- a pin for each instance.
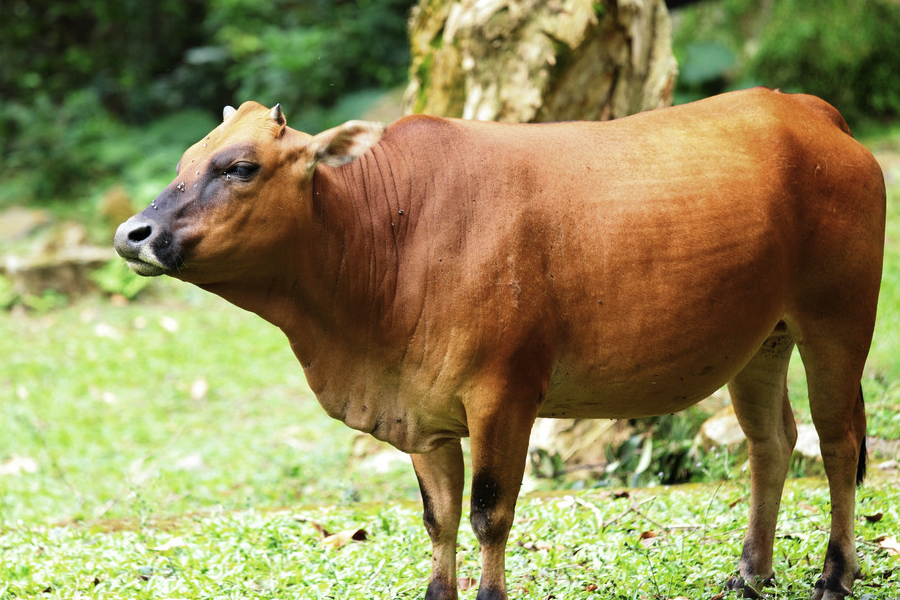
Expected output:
(462, 278)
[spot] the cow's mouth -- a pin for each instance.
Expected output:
(134, 242)
(144, 268)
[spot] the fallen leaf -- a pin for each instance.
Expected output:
(169, 324)
(873, 518)
(118, 300)
(199, 389)
(342, 538)
(535, 546)
(17, 465)
(466, 583)
(104, 330)
(647, 538)
(890, 544)
(175, 542)
(317, 527)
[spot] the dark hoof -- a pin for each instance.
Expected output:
(748, 589)
(830, 589)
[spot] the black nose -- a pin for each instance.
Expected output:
(131, 235)
(140, 232)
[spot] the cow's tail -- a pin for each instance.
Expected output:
(861, 464)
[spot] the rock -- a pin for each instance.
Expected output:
(376, 456)
(66, 271)
(722, 430)
(58, 260)
(808, 441)
(18, 223)
(579, 443)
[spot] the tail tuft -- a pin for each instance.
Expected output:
(861, 465)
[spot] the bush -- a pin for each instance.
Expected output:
(83, 80)
(843, 52)
(311, 54)
(67, 153)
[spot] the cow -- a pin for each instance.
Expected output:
(441, 279)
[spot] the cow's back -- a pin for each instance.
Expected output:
(610, 257)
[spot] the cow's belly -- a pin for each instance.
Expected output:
(658, 366)
(642, 393)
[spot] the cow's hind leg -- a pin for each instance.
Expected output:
(759, 396)
(834, 365)
(441, 475)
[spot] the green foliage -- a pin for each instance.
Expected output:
(703, 70)
(8, 295)
(82, 79)
(70, 152)
(843, 52)
(662, 451)
(308, 55)
(116, 278)
(129, 53)
(661, 543)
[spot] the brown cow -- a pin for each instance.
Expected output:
(457, 278)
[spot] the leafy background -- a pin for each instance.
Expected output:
(168, 446)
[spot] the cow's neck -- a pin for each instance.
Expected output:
(332, 291)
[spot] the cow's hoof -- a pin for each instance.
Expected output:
(440, 590)
(830, 590)
(748, 589)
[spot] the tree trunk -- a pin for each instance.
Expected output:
(539, 60)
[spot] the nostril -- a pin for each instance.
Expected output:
(140, 233)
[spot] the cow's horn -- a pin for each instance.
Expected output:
(227, 112)
(276, 115)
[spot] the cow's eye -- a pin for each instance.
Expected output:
(242, 171)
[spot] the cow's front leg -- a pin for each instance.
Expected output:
(499, 449)
(441, 475)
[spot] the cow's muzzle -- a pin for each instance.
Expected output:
(136, 241)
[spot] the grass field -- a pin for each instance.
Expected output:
(170, 448)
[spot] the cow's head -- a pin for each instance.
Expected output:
(237, 196)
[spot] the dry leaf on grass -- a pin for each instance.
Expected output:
(175, 542)
(889, 543)
(647, 538)
(466, 583)
(342, 538)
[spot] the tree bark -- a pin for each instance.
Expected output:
(539, 60)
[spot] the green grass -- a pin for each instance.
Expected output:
(109, 402)
(655, 543)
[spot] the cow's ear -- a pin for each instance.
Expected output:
(344, 143)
